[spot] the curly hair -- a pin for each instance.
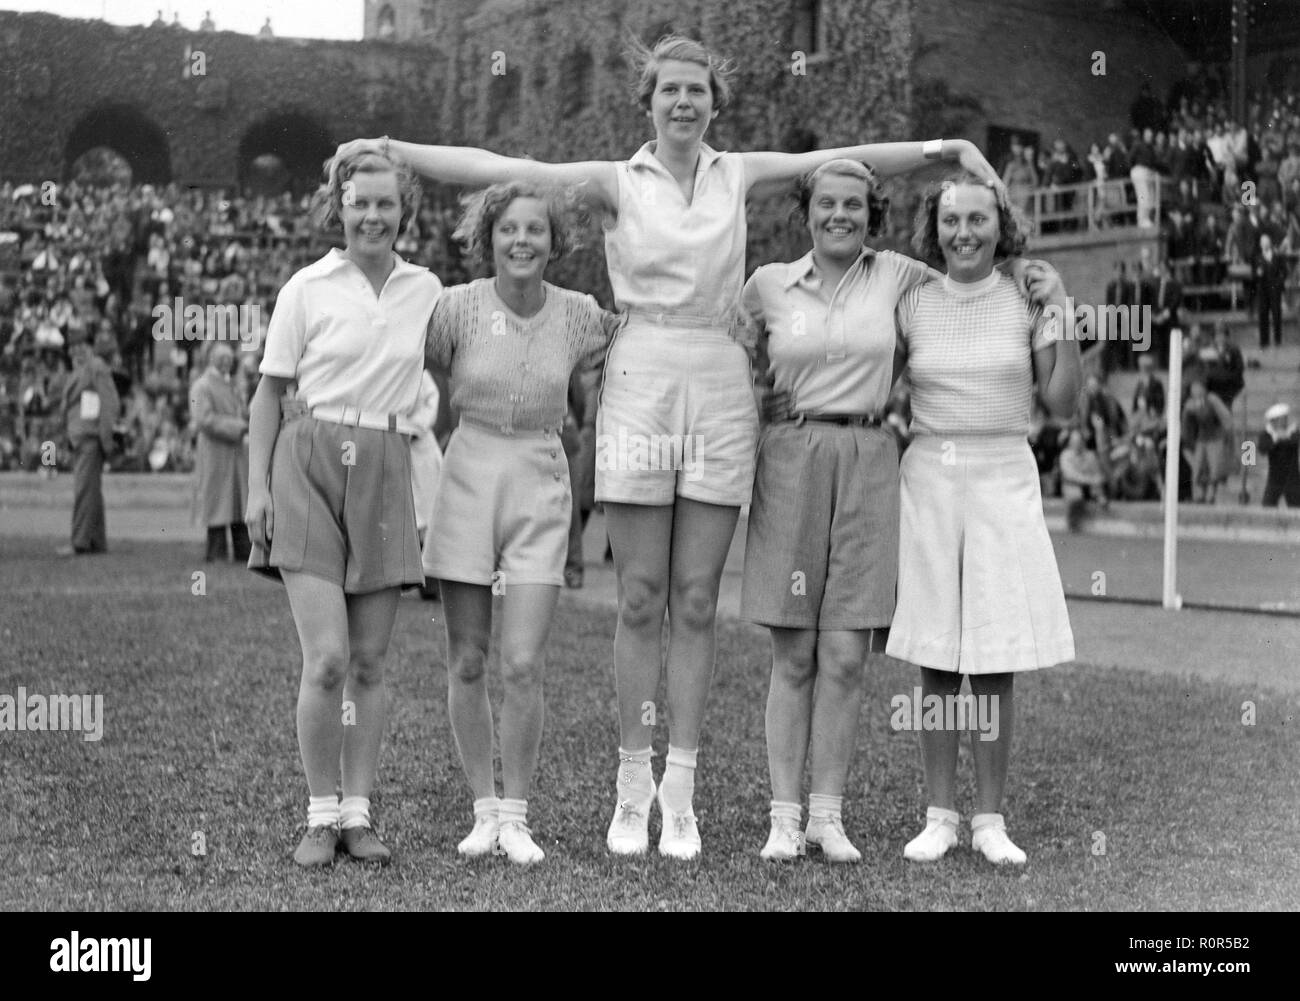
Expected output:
(483, 208)
(1012, 231)
(327, 204)
(877, 206)
(646, 62)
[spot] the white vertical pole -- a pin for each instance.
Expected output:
(1173, 450)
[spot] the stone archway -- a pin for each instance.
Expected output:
(298, 141)
(126, 130)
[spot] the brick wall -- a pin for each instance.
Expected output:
(1029, 63)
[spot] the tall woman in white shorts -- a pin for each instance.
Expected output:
(330, 492)
(501, 519)
(979, 593)
(677, 429)
(821, 558)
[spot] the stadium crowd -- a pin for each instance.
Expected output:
(93, 262)
(81, 262)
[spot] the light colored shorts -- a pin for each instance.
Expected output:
(343, 509)
(978, 587)
(677, 417)
(503, 508)
(822, 547)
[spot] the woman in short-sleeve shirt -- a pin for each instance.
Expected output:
(501, 519)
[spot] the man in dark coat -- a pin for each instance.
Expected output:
(89, 409)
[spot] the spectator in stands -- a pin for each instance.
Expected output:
(1142, 171)
(1288, 170)
(1166, 302)
(1267, 186)
(1120, 292)
(1146, 111)
(1139, 474)
(1116, 157)
(1020, 177)
(1100, 418)
(1082, 479)
(1211, 265)
(1225, 369)
(1148, 391)
(1206, 428)
(1270, 272)
(1045, 436)
(1062, 170)
(1280, 441)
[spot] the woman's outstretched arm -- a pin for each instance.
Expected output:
(886, 159)
(474, 167)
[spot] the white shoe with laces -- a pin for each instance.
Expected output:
(827, 833)
(989, 835)
(515, 841)
(680, 836)
(482, 840)
(629, 831)
(939, 835)
(785, 843)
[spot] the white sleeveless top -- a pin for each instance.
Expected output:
(667, 256)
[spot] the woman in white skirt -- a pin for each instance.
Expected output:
(330, 492)
(677, 428)
(501, 519)
(979, 593)
(821, 558)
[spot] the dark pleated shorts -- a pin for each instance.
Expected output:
(822, 545)
(343, 509)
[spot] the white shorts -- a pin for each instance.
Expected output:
(677, 417)
(503, 509)
(978, 587)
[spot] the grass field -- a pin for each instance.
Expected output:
(1197, 810)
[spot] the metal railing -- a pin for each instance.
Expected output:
(1088, 207)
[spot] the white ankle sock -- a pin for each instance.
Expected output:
(823, 807)
(354, 811)
(939, 813)
(679, 778)
(488, 806)
(322, 811)
(786, 811)
(513, 810)
(635, 780)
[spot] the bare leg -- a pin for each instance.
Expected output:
(526, 623)
(468, 610)
(939, 747)
(320, 614)
(701, 537)
(841, 664)
(641, 537)
(370, 627)
(790, 709)
(992, 757)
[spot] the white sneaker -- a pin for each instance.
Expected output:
(827, 833)
(939, 835)
(785, 842)
(515, 841)
(990, 837)
(680, 836)
(483, 839)
(629, 831)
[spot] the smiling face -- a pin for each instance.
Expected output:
(967, 224)
(682, 102)
(838, 215)
(521, 240)
(371, 212)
